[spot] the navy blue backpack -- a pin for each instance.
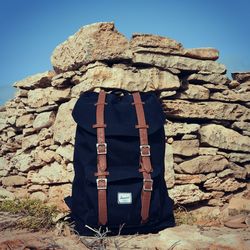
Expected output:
(119, 164)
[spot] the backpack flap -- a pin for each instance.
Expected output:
(120, 115)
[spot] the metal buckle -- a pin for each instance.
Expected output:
(145, 146)
(148, 189)
(98, 149)
(101, 187)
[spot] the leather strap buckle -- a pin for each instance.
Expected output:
(101, 183)
(142, 147)
(145, 182)
(100, 152)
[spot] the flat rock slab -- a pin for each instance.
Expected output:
(178, 238)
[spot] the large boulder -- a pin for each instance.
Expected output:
(95, 42)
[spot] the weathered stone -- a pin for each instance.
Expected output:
(176, 128)
(189, 137)
(14, 180)
(61, 83)
(204, 164)
(41, 97)
(238, 171)
(3, 163)
(49, 174)
(22, 162)
(64, 125)
(164, 94)
(217, 87)
(3, 172)
(45, 133)
(44, 120)
(39, 196)
(225, 173)
(245, 126)
(155, 42)
(233, 84)
(186, 147)
(57, 194)
(66, 152)
(30, 141)
(36, 187)
(3, 121)
(237, 157)
(188, 178)
(178, 62)
(47, 108)
(195, 92)
(189, 193)
(116, 77)
(205, 110)
(207, 151)
(25, 120)
(230, 96)
(201, 78)
(241, 76)
(209, 176)
(169, 166)
(202, 53)
(247, 167)
(224, 138)
(21, 93)
(11, 120)
(40, 80)
(165, 45)
(63, 80)
(186, 237)
(227, 185)
(11, 132)
(47, 156)
(95, 42)
(6, 195)
(238, 205)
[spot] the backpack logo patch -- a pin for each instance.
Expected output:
(124, 198)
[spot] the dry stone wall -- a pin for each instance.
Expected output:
(207, 127)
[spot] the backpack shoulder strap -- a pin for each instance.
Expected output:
(101, 148)
(145, 162)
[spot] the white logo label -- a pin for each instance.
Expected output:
(124, 198)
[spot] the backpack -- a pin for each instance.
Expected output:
(119, 164)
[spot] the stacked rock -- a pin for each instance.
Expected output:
(207, 126)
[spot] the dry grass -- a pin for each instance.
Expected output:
(29, 213)
(182, 216)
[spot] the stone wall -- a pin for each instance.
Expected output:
(207, 127)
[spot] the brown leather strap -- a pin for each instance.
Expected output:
(101, 148)
(145, 162)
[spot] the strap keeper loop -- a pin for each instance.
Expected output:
(99, 125)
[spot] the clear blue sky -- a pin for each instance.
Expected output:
(31, 29)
